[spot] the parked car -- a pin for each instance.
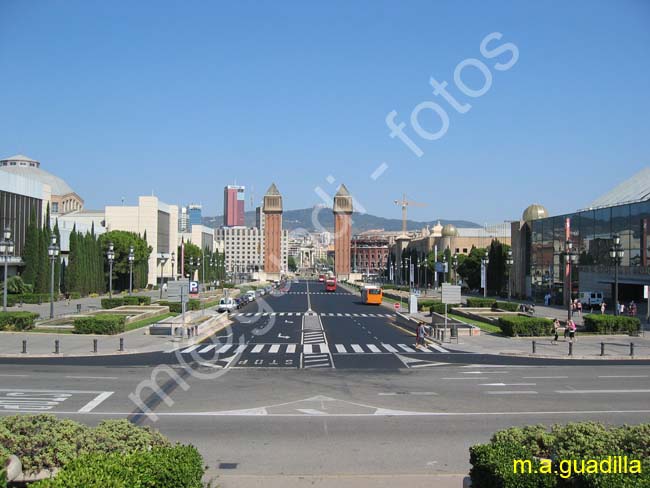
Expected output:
(250, 295)
(240, 302)
(227, 305)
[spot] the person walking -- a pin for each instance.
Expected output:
(603, 306)
(572, 330)
(556, 330)
(419, 335)
(579, 307)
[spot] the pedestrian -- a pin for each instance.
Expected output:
(572, 330)
(556, 330)
(621, 308)
(579, 307)
(632, 309)
(419, 335)
(566, 330)
(603, 306)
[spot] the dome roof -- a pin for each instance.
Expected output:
(449, 230)
(30, 168)
(534, 212)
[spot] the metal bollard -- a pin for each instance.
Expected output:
(94, 345)
(631, 348)
(602, 348)
(534, 348)
(56, 346)
(570, 348)
(24, 346)
(442, 335)
(121, 343)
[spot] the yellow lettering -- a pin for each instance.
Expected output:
(592, 466)
(545, 466)
(523, 466)
(565, 468)
(581, 469)
(635, 466)
(606, 465)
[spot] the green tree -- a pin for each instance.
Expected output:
(31, 250)
(497, 272)
(122, 241)
(470, 268)
(291, 263)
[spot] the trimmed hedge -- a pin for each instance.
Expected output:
(46, 442)
(476, 302)
(109, 303)
(29, 298)
(492, 463)
(162, 467)
(100, 324)
(439, 307)
(507, 306)
(17, 320)
(175, 307)
(611, 324)
(525, 326)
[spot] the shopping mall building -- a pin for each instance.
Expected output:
(539, 244)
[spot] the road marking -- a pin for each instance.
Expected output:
(307, 349)
(587, 392)
(92, 377)
(356, 348)
(191, 348)
(207, 348)
(405, 348)
(291, 349)
(241, 348)
(437, 347)
(91, 405)
(373, 348)
(544, 377)
(511, 392)
(274, 348)
(626, 376)
(323, 348)
(485, 372)
(508, 384)
(224, 348)
(257, 349)
(389, 348)
(341, 348)
(15, 375)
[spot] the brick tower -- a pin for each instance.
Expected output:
(272, 209)
(342, 230)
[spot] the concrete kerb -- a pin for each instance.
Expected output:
(574, 357)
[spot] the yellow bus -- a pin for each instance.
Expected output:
(372, 295)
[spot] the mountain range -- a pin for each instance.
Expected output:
(311, 218)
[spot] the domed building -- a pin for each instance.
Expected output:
(63, 198)
(534, 212)
(449, 230)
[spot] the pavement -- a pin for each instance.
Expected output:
(309, 388)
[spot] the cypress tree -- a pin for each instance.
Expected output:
(57, 263)
(73, 256)
(30, 251)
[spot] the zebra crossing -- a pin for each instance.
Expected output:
(300, 314)
(313, 350)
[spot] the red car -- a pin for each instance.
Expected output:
(321, 278)
(330, 285)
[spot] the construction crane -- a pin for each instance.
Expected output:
(405, 204)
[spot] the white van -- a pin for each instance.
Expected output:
(591, 298)
(227, 305)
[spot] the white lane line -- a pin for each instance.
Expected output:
(437, 348)
(626, 376)
(92, 377)
(191, 348)
(257, 349)
(511, 392)
(90, 406)
(347, 315)
(15, 375)
(405, 348)
(373, 348)
(356, 348)
(274, 348)
(605, 392)
(544, 377)
(485, 372)
(389, 348)
(291, 349)
(341, 348)
(508, 384)
(207, 348)
(364, 314)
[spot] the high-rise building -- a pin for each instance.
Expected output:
(233, 206)
(194, 214)
(183, 221)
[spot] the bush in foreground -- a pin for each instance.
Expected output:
(525, 326)
(162, 467)
(493, 463)
(439, 307)
(17, 320)
(100, 324)
(612, 324)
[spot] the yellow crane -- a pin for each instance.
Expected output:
(404, 203)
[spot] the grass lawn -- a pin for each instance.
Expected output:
(49, 330)
(151, 320)
(481, 325)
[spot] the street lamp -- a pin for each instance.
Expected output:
(571, 257)
(485, 260)
(616, 252)
(163, 261)
(6, 249)
(454, 265)
(131, 259)
(53, 252)
(509, 263)
(444, 268)
(173, 262)
(110, 255)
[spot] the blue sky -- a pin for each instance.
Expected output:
(180, 98)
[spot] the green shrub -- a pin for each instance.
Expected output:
(108, 303)
(492, 467)
(175, 307)
(16, 285)
(46, 442)
(34, 298)
(133, 300)
(439, 307)
(3, 470)
(425, 304)
(475, 302)
(525, 326)
(507, 306)
(75, 295)
(17, 320)
(611, 324)
(162, 467)
(535, 438)
(100, 324)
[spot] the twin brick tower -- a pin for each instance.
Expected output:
(272, 210)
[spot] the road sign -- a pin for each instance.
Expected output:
(450, 293)
(194, 288)
(396, 305)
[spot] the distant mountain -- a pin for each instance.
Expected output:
(305, 217)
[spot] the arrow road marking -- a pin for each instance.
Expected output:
(283, 336)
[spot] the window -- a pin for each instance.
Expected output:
(464, 250)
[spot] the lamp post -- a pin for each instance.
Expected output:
(163, 260)
(444, 268)
(509, 263)
(53, 252)
(110, 255)
(6, 249)
(570, 257)
(131, 259)
(173, 262)
(454, 265)
(616, 252)
(485, 260)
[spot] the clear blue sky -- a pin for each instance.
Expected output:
(122, 98)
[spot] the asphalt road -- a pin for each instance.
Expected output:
(361, 412)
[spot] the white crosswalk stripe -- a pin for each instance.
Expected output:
(313, 347)
(405, 348)
(291, 348)
(207, 348)
(341, 348)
